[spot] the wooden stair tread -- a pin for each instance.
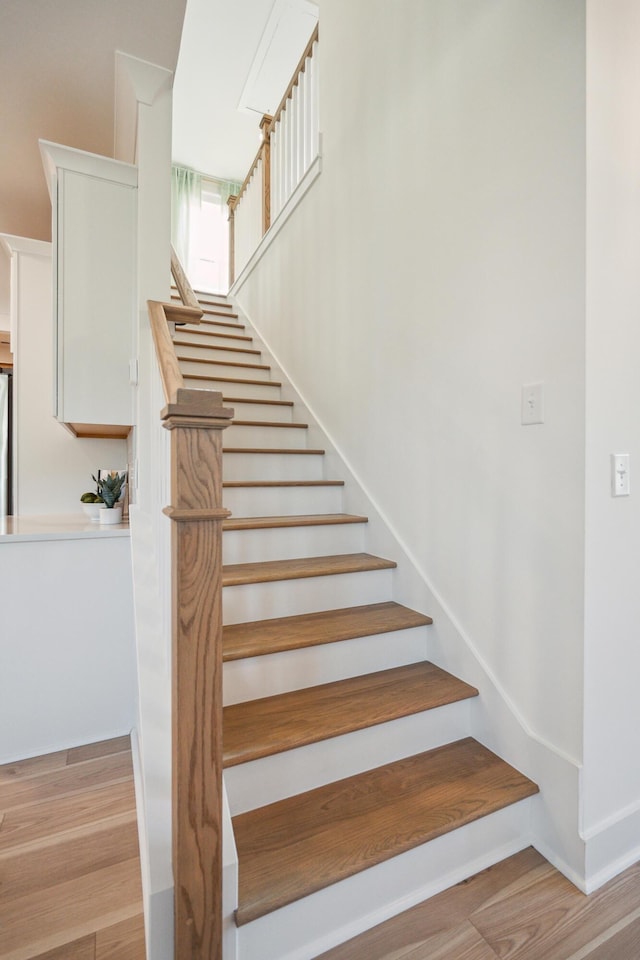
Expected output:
(268, 571)
(210, 378)
(299, 845)
(215, 346)
(224, 363)
(279, 403)
(301, 520)
(260, 728)
(293, 451)
(270, 423)
(283, 483)
(218, 323)
(217, 311)
(214, 333)
(261, 637)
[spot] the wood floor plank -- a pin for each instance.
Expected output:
(547, 918)
(104, 748)
(305, 520)
(274, 724)
(67, 780)
(64, 856)
(265, 572)
(33, 821)
(310, 629)
(124, 941)
(463, 943)
(32, 767)
(69, 911)
(622, 945)
(84, 949)
(298, 845)
(438, 916)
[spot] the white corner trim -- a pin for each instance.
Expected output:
(136, 82)
(148, 80)
(305, 184)
(57, 157)
(35, 248)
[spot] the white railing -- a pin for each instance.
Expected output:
(294, 133)
(290, 144)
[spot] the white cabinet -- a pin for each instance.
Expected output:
(94, 204)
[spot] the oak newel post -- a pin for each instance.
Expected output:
(196, 419)
(197, 514)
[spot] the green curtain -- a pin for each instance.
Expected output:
(185, 204)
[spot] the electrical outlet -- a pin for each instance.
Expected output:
(532, 403)
(620, 486)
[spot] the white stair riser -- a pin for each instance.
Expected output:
(223, 369)
(239, 353)
(285, 598)
(257, 411)
(285, 543)
(282, 501)
(287, 436)
(257, 391)
(255, 784)
(275, 673)
(307, 928)
(272, 466)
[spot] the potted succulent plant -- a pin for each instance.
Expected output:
(110, 488)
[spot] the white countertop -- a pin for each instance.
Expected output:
(58, 527)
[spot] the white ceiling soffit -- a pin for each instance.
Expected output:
(286, 34)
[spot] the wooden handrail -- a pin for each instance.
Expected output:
(185, 289)
(196, 419)
(295, 79)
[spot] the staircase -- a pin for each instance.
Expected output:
(355, 786)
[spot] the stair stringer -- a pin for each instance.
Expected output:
(496, 721)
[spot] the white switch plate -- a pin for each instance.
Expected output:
(532, 410)
(620, 486)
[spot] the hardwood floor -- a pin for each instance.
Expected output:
(521, 909)
(69, 860)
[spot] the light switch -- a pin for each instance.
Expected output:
(620, 486)
(532, 410)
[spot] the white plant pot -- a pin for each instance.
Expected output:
(92, 510)
(110, 515)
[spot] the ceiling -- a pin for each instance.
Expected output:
(235, 62)
(57, 76)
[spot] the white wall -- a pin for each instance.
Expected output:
(68, 672)
(612, 598)
(53, 468)
(435, 267)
